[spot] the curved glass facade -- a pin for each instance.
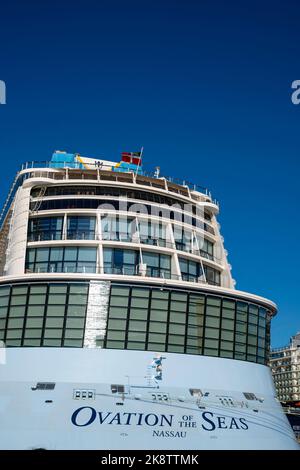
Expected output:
(116, 192)
(171, 213)
(101, 314)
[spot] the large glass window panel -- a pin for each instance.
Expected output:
(118, 301)
(58, 288)
(227, 313)
(117, 324)
(213, 322)
(240, 347)
(13, 342)
(70, 253)
(45, 228)
(157, 338)
(206, 248)
(4, 291)
(3, 312)
(136, 336)
(19, 290)
(152, 233)
(140, 292)
(138, 314)
(227, 335)
(73, 343)
(195, 342)
(195, 331)
(159, 304)
(176, 339)
(211, 343)
(252, 329)
(136, 345)
(52, 333)
(176, 317)
(81, 227)
(213, 276)
(240, 337)
(35, 310)
(151, 259)
(17, 311)
(118, 228)
(190, 270)
(118, 261)
(158, 315)
(176, 329)
(123, 291)
(241, 327)
(31, 342)
(135, 325)
(54, 322)
(227, 324)
(115, 344)
(42, 254)
(175, 348)
(87, 254)
(116, 335)
(37, 299)
(39, 289)
(56, 254)
(4, 301)
(52, 343)
(34, 322)
(139, 302)
(15, 323)
(56, 299)
(213, 311)
(74, 333)
(158, 265)
(212, 333)
(77, 299)
(75, 323)
(18, 300)
(178, 306)
(156, 327)
(228, 304)
(252, 340)
(118, 312)
(33, 333)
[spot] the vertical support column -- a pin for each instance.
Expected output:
(96, 315)
(64, 231)
(100, 267)
(175, 267)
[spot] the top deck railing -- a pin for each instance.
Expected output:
(24, 172)
(154, 175)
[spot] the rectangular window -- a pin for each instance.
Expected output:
(81, 227)
(61, 259)
(118, 228)
(45, 228)
(190, 270)
(118, 261)
(213, 276)
(157, 264)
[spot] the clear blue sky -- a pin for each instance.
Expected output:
(204, 86)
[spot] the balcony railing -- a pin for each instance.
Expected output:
(153, 272)
(77, 166)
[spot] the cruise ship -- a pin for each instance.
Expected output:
(120, 323)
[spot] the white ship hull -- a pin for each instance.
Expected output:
(112, 399)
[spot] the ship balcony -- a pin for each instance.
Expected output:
(142, 271)
(43, 171)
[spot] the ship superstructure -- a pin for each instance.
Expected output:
(120, 317)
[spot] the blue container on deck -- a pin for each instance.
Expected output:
(64, 160)
(126, 167)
